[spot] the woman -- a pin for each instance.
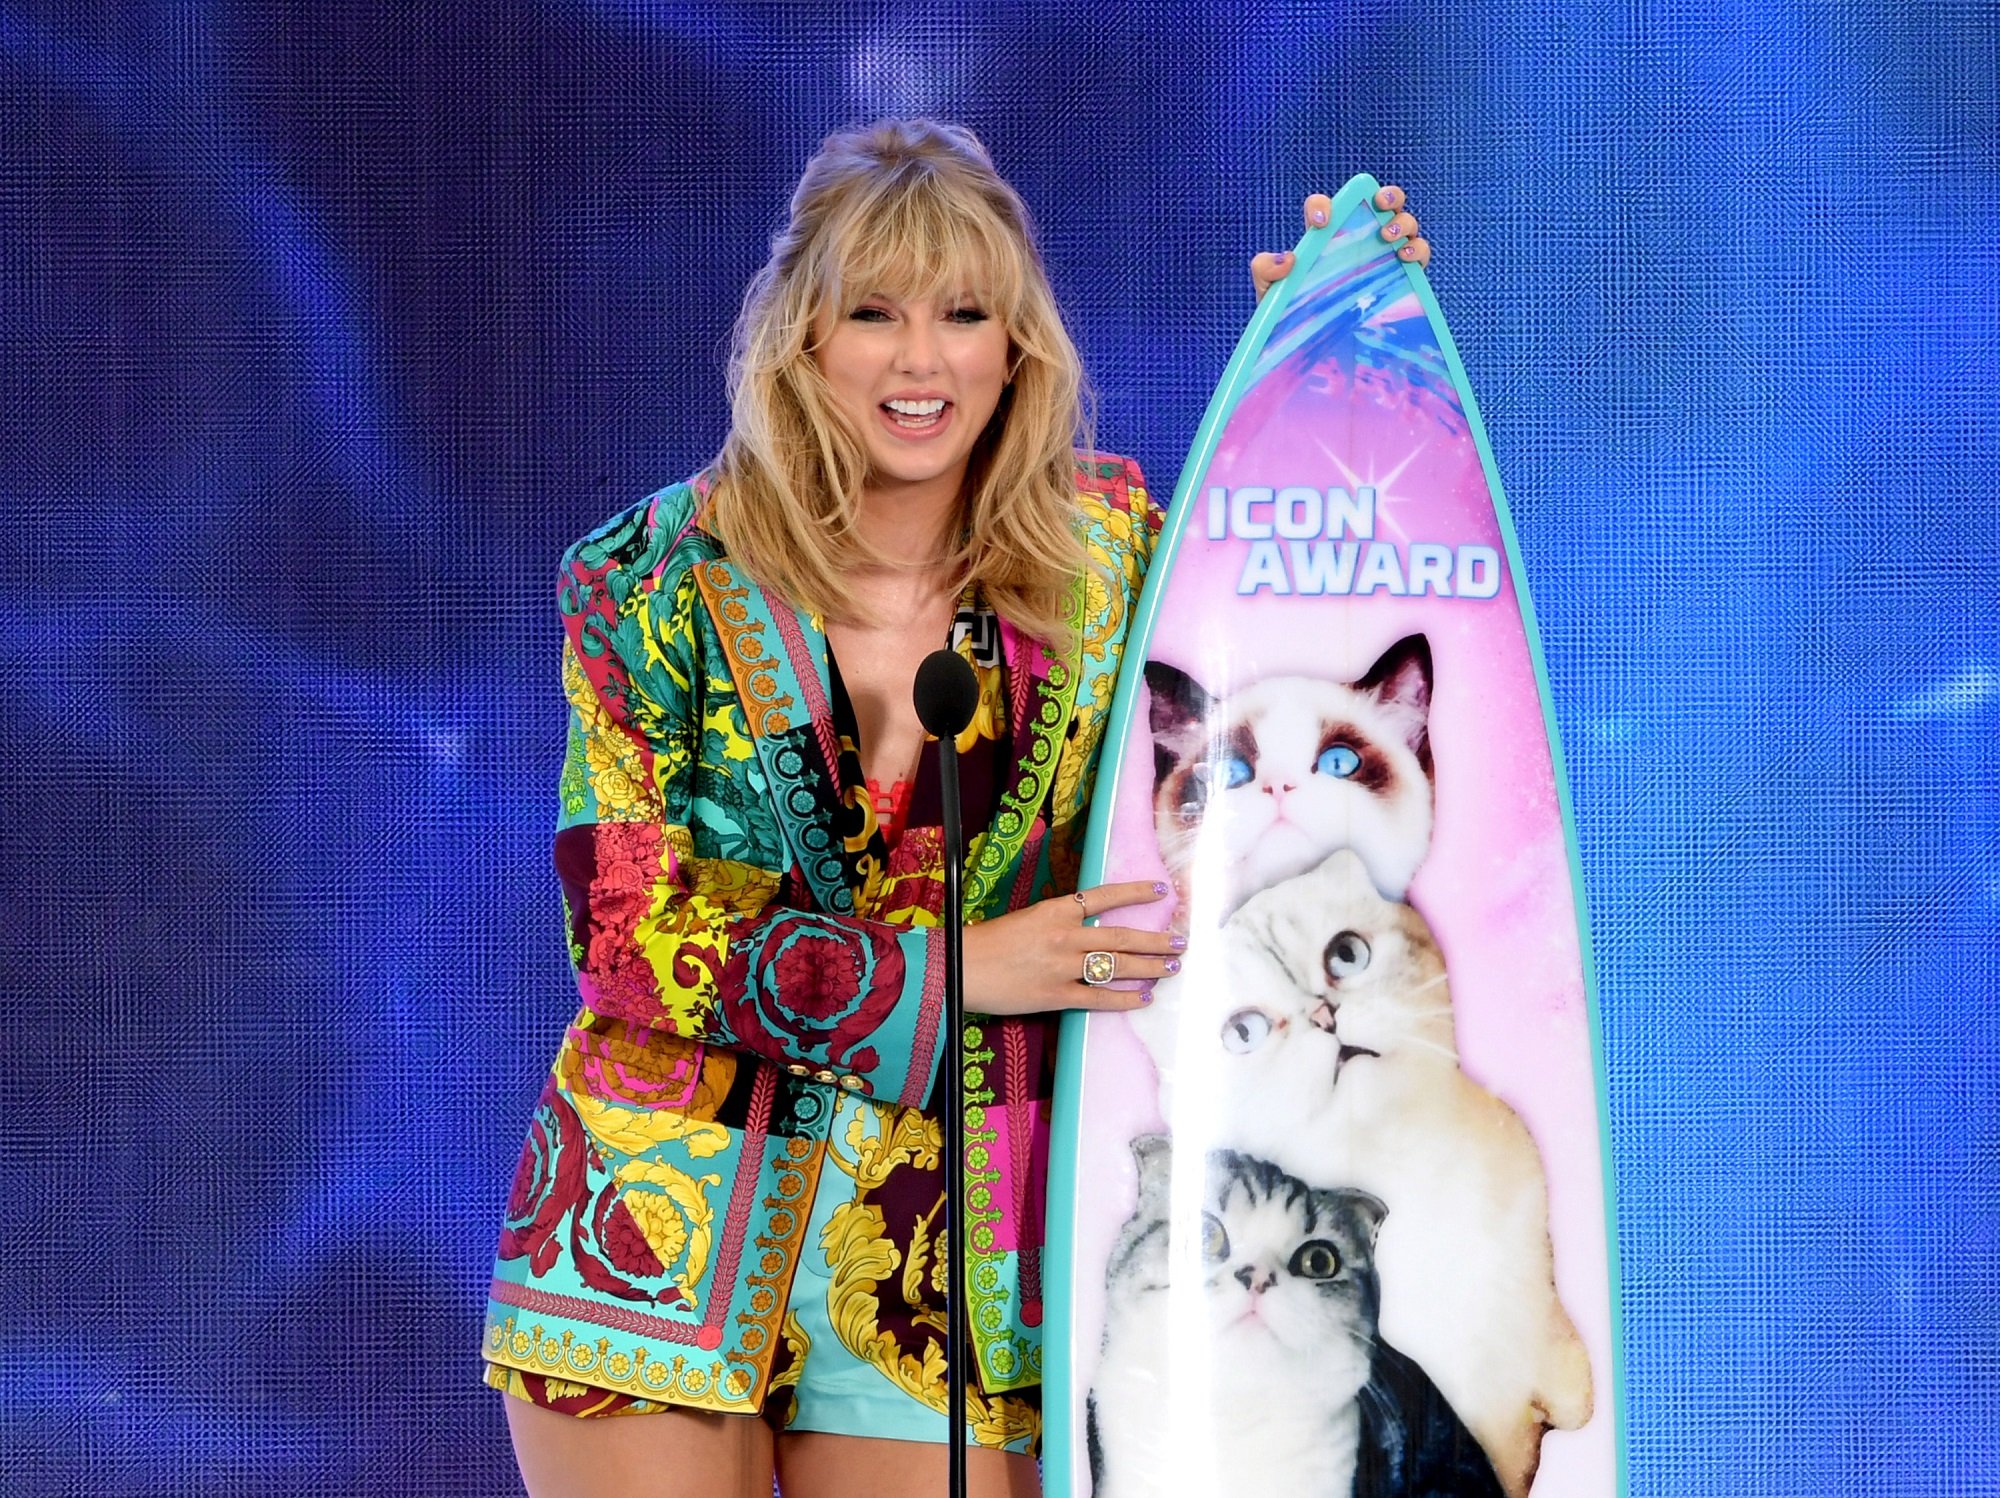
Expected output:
(730, 1203)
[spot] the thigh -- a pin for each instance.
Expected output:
(812, 1464)
(665, 1454)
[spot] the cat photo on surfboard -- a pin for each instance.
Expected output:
(1330, 1216)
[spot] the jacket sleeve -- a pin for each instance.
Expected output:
(699, 945)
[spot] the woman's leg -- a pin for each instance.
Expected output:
(665, 1454)
(815, 1465)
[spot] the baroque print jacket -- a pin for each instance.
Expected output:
(711, 877)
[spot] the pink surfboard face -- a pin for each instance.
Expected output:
(1365, 1113)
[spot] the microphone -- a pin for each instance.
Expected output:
(946, 696)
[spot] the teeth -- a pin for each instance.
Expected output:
(915, 408)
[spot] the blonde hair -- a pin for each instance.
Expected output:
(913, 208)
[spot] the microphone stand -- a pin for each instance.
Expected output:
(947, 695)
(954, 1105)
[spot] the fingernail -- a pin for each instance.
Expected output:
(1179, 943)
(1146, 996)
(1158, 888)
(1283, 256)
(1392, 232)
(1173, 965)
(1319, 217)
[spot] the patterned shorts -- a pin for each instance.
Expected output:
(861, 1353)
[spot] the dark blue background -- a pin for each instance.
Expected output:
(324, 326)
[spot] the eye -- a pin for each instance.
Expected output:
(1236, 771)
(1245, 1030)
(1214, 1241)
(967, 315)
(1346, 955)
(868, 314)
(1337, 760)
(1316, 1259)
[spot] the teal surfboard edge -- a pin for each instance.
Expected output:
(1059, 1457)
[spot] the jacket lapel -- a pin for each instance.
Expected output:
(1041, 691)
(777, 658)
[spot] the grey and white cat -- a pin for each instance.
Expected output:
(1243, 1358)
(1263, 783)
(1315, 1030)
(1277, 1322)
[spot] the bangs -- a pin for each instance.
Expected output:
(916, 238)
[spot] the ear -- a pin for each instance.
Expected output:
(1366, 1211)
(1401, 679)
(1155, 1154)
(1178, 703)
(1178, 709)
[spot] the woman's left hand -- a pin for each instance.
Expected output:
(1269, 267)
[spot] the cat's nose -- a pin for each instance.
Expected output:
(1247, 1278)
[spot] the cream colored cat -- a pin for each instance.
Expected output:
(1315, 1030)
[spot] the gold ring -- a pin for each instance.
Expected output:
(1099, 968)
(1081, 903)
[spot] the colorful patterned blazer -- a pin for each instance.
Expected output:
(727, 984)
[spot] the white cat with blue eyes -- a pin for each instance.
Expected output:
(1263, 783)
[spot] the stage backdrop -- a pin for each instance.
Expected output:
(323, 328)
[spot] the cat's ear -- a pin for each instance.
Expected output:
(1400, 680)
(1155, 1154)
(1178, 713)
(1179, 703)
(1365, 1212)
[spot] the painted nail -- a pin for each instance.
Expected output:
(1393, 231)
(1319, 218)
(1146, 996)
(1283, 256)
(1159, 889)
(1173, 965)
(1178, 943)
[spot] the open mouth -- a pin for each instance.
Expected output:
(916, 415)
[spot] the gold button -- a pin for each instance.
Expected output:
(799, 1069)
(822, 1076)
(852, 1084)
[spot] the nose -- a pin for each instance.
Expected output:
(1279, 790)
(917, 349)
(1256, 1284)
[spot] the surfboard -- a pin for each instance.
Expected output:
(1332, 1213)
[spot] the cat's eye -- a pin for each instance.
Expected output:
(1316, 1259)
(1338, 760)
(1235, 772)
(1223, 774)
(1214, 1240)
(1346, 955)
(1245, 1030)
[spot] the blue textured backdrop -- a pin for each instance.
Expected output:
(324, 326)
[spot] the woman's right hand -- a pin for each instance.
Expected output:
(1270, 267)
(1031, 960)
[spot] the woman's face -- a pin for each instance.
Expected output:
(919, 378)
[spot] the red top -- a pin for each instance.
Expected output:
(890, 807)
